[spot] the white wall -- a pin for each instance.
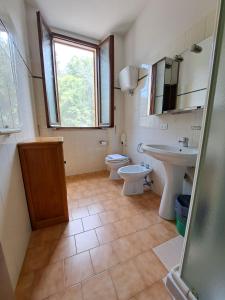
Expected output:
(82, 150)
(164, 28)
(14, 219)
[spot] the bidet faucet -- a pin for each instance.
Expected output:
(183, 141)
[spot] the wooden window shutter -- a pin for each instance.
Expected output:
(48, 72)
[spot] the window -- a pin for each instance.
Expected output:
(77, 80)
(9, 63)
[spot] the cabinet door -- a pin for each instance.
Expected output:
(44, 178)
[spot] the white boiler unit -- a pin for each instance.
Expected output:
(128, 79)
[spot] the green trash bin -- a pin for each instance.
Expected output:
(181, 225)
(181, 209)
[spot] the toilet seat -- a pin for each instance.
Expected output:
(114, 158)
(114, 162)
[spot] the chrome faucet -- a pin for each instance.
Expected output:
(183, 141)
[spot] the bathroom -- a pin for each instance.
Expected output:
(94, 252)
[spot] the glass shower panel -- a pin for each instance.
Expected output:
(203, 268)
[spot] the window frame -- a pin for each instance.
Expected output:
(40, 24)
(68, 39)
(110, 40)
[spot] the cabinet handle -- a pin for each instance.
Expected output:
(64, 162)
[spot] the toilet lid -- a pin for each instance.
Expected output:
(116, 157)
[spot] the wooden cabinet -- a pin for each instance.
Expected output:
(43, 172)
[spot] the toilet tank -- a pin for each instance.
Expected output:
(128, 79)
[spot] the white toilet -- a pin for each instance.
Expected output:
(133, 176)
(114, 162)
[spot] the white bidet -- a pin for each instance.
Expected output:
(133, 176)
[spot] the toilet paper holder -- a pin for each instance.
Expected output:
(103, 143)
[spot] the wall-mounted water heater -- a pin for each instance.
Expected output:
(128, 79)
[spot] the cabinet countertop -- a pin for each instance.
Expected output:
(42, 140)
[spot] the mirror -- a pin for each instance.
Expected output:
(163, 86)
(194, 75)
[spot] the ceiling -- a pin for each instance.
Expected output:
(92, 18)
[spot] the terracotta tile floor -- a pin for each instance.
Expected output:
(104, 252)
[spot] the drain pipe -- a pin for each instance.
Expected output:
(147, 182)
(147, 166)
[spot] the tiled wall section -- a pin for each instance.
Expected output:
(83, 152)
(145, 44)
(14, 219)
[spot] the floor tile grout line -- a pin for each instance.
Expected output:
(113, 284)
(75, 243)
(91, 247)
(93, 227)
(132, 259)
(82, 292)
(97, 236)
(147, 287)
(92, 262)
(64, 274)
(82, 224)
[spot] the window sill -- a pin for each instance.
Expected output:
(78, 128)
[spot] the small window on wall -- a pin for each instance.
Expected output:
(77, 80)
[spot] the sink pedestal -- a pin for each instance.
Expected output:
(174, 176)
(175, 161)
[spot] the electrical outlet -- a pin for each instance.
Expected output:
(196, 127)
(164, 126)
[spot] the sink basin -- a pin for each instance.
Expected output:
(180, 156)
(175, 160)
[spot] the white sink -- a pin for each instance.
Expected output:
(180, 156)
(175, 160)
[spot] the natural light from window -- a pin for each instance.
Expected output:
(75, 70)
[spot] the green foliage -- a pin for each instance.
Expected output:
(76, 92)
(8, 97)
